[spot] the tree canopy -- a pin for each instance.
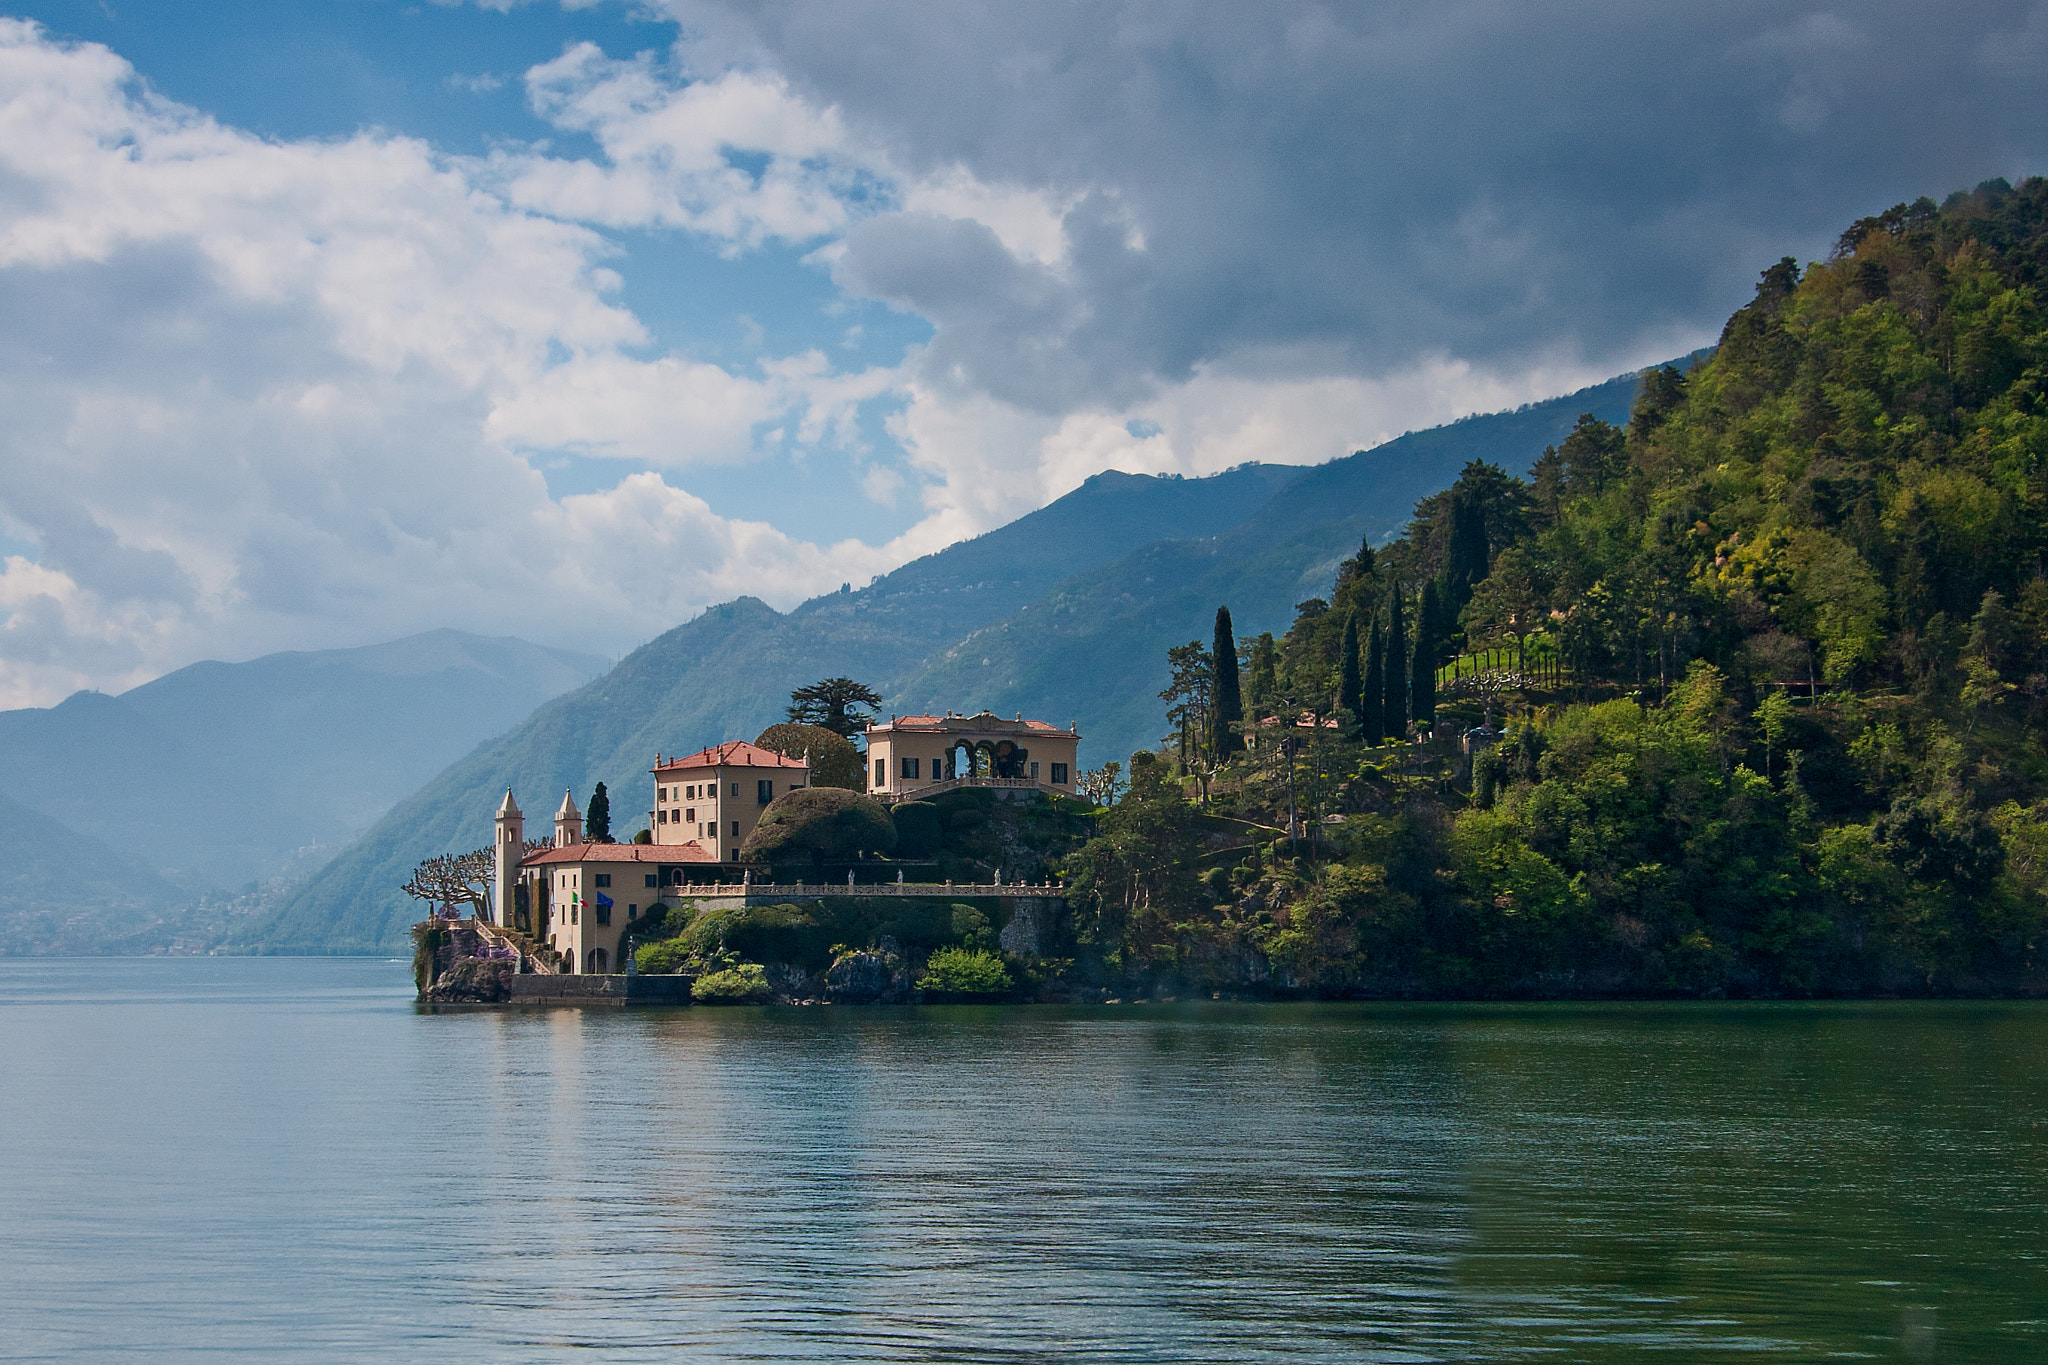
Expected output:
(1772, 660)
(835, 704)
(834, 761)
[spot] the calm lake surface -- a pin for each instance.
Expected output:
(284, 1160)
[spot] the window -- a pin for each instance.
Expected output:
(604, 879)
(735, 834)
(1034, 772)
(764, 791)
(735, 791)
(910, 767)
(1059, 774)
(735, 855)
(881, 771)
(691, 815)
(632, 911)
(661, 816)
(604, 913)
(653, 879)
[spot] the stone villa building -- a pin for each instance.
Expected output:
(914, 756)
(579, 897)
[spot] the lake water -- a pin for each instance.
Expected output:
(284, 1160)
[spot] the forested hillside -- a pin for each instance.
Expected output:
(1771, 662)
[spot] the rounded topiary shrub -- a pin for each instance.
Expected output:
(812, 826)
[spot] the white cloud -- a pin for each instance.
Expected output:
(269, 394)
(272, 393)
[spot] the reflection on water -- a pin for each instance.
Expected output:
(284, 1160)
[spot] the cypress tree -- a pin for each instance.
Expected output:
(1428, 636)
(1228, 709)
(597, 817)
(1372, 702)
(1351, 686)
(1396, 667)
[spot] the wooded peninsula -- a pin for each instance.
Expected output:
(1744, 697)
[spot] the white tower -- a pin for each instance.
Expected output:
(511, 846)
(568, 822)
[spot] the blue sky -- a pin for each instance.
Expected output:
(342, 319)
(452, 75)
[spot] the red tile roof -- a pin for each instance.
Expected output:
(932, 725)
(734, 753)
(621, 853)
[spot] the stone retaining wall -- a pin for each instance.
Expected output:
(592, 988)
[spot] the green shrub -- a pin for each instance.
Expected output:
(746, 984)
(920, 829)
(665, 957)
(965, 971)
(971, 927)
(766, 933)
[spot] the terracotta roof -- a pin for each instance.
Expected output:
(692, 852)
(983, 723)
(734, 753)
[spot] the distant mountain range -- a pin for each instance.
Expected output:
(1064, 615)
(219, 775)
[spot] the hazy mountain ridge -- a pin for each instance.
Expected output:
(63, 892)
(220, 774)
(1073, 606)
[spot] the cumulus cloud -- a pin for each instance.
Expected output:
(1487, 180)
(269, 393)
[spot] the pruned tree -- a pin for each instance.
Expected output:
(833, 759)
(1104, 784)
(452, 879)
(835, 703)
(811, 826)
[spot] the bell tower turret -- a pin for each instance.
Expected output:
(510, 844)
(568, 822)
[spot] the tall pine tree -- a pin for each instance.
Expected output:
(597, 817)
(1372, 716)
(1396, 666)
(1429, 632)
(1350, 685)
(1228, 708)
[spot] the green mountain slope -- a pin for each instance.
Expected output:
(1069, 602)
(1093, 650)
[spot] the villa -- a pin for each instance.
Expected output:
(579, 897)
(919, 756)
